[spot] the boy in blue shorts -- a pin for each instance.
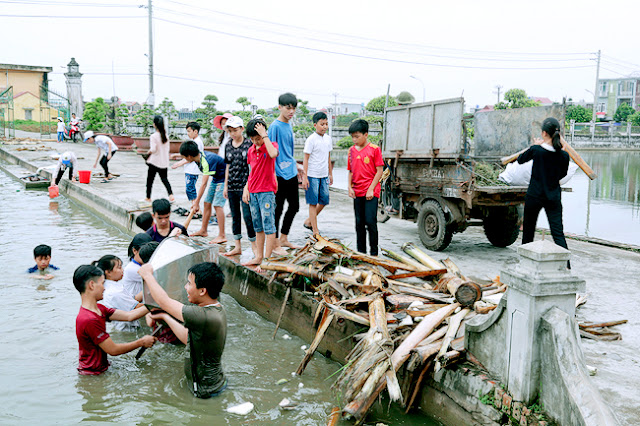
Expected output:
(42, 256)
(259, 192)
(209, 164)
(318, 171)
(281, 132)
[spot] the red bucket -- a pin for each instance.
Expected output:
(85, 176)
(53, 191)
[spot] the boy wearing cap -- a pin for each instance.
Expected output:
(66, 160)
(106, 147)
(209, 164)
(259, 192)
(191, 171)
(318, 171)
(236, 176)
(281, 133)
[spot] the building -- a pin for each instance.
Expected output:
(345, 108)
(24, 78)
(31, 95)
(613, 92)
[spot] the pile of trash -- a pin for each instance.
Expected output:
(414, 306)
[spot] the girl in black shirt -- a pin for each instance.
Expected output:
(550, 164)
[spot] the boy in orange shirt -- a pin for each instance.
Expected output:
(365, 165)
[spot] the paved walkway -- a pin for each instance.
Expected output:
(611, 274)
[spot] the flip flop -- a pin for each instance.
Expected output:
(104, 181)
(309, 227)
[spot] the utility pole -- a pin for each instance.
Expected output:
(595, 100)
(335, 105)
(498, 88)
(151, 99)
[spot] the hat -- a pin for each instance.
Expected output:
(88, 135)
(234, 122)
(218, 119)
(66, 158)
(59, 118)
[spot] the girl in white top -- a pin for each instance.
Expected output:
(114, 296)
(106, 149)
(158, 160)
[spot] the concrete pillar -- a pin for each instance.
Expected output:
(538, 283)
(74, 88)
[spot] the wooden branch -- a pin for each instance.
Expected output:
(454, 325)
(418, 387)
(449, 358)
(604, 324)
(334, 417)
(282, 308)
(324, 325)
(420, 274)
(348, 315)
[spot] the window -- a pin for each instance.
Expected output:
(603, 88)
(602, 107)
(28, 114)
(625, 87)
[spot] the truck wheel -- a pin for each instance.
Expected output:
(432, 226)
(501, 226)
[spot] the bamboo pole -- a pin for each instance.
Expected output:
(282, 308)
(421, 256)
(454, 325)
(324, 325)
(400, 258)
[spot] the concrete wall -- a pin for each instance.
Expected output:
(22, 80)
(606, 142)
(31, 101)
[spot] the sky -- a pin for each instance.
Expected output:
(344, 51)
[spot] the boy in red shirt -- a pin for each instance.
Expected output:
(365, 170)
(93, 339)
(260, 190)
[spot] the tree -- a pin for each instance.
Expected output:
(578, 113)
(303, 108)
(634, 118)
(243, 101)
(261, 111)
(144, 118)
(121, 119)
(167, 109)
(377, 104)
(209, 111)
(623, 111)
(516, 98)
(95, 114)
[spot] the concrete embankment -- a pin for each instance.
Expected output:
(610, 274)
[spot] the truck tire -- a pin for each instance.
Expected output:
(432, 226)
(383, 215)
(501, 226)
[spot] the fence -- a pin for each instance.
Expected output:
(609, 132)
(7, 121)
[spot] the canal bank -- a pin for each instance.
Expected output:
(616, 361)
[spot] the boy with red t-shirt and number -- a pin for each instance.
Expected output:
(261, 187)
(365, 170)
(93, 339)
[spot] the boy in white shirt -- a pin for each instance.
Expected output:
(318, 170)
(191, 170)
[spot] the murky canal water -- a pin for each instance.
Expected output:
(607, 207)
(39, 350)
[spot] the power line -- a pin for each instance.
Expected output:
(220, 83)
(623, 61)
(360, 46)
(412, 45)
(615, 72)
(66, 3)
(364, 56)
(71, 17)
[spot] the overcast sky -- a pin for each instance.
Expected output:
(260, 49)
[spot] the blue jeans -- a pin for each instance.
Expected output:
(190, 183)
(318, 191)
(263, 206)
(60, 136)
(215, 195)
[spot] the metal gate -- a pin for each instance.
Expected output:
(7, 121)
(50, 99)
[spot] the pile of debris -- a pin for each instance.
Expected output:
(415, 308)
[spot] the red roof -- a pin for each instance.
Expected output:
(543, 101)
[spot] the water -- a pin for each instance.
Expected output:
(39, 354)
(606, 208)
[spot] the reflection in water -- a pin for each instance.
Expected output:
(39, 352)
(618, 176)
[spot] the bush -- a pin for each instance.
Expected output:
(579, 113)
(345, 142)
(623, 111)
(377, 104)
(635, 118)
(95, 114)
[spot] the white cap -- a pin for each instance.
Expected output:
(234, 122)
(66, 158)
(88, 135)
